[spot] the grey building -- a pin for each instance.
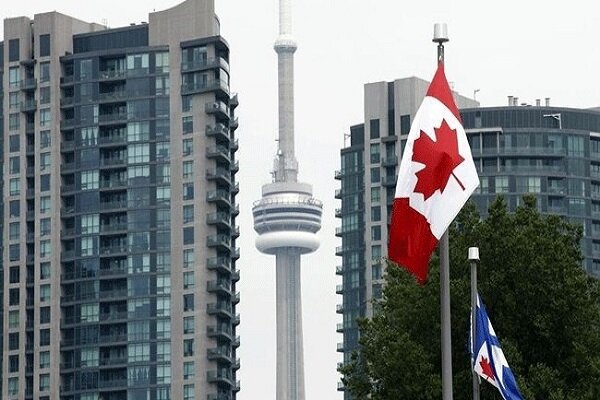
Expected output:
(369, 166)
(550, 152)
(119, 235)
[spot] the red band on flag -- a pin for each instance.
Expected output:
(410, 239)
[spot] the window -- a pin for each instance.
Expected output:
(188, 169)
(374, 128)
(14, 252)
(13, 386)
(44, 359)
(13, 319)
(188, 191)
(14, 229)
(14, 275)
(14, 143)
(138, 131)
(44, 72)
(89, 180)
(44, 315)
(44, 204)
(15, 208)
(188, 325)
(13, 363)
(89, 357)
(188, 258)
(188, 147)
(44, 337)
(161, 86)
(189, 370)
(45, 139)
(376, 214)
(376, 252)
(90, 223)
(163, 374)
(376, 232)
(375, 154)
(13, 50)
(88, 136)
(188, 213)
(375, 195)
(188, 235)
(188, 125)
(162, 151)
(188, 347)
(14, 122)
(44, 161)
(163, 328)
(186, 103)
(44, 293)
(44, 226)
(45, 117)
(138, 352)
(188, 302)
(137, 64)
(45, 248)
(162, 62)
(163, 173)
(44, 45)
(14, 77)
(163, 195)
(14, 165)
(89, 246)
(13, 341)
(138, 153)
(163, 306)
(375, 175)
(89, 312)
(85, 69)
(44, 382)
(163, 351)
(188, 392)
(188, 280)
(45, 270)
(45, 183)
(13, 100)
(45, 95)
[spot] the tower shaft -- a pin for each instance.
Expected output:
(290, 360)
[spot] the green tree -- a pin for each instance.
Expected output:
(545, 310)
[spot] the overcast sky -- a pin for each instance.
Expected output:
(529, 49)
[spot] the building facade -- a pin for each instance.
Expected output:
(119, 234)
(550, 152)
(368, 174)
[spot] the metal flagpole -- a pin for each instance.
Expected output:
(440, 36)
(474, 259)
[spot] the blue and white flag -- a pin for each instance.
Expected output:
(488, 360)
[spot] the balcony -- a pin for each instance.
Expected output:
(117, 96)
(113, 250)
(219, 174)
(221, 219)
(204, 87)
(338, 174)
(113, 162)
(28, 84)
(219, 332)
(235, 145)
(219, 309)
(220, 264)
(219, 196)
(113, 205)
(67, 123)
(29, 105)
(338, 193)
(67, 80)
(339, 328)
(389, 180)
(112, 118)
(204, 64)
(219, 396)
(340, 347)
(67, 101)
(219, 153)
(339, 270)
(219, 131)
(220, 287)
(217, 108)
(113, 74)
(390, 161)
(219, 354)
(113, 184)
(219, 377)
(339, 308)
(67, 145)
(219, 241)
(113, 228)
(339, 289)
(112, 140)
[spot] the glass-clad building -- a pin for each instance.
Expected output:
(119, 218)
(551, 152)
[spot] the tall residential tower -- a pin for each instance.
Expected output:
(287, 219)
(119, 209)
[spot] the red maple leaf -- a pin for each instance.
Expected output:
(486, 368)
(440, 157)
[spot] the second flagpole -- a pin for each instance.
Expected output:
(440, 36)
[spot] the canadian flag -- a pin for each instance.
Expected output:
(437, 175)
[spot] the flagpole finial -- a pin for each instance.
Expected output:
(440, 36)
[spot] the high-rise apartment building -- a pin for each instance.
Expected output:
(550, 152)
(119, 234)
(369, 167)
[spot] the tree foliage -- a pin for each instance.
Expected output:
(545, 311)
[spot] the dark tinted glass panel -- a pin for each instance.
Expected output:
(13, 50)
(44, 45)
(136, 36)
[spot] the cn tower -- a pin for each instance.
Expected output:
(287, 220)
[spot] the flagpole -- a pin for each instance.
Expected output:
(474, 259)
(440, 36)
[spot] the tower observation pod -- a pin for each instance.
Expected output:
(287, 219)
